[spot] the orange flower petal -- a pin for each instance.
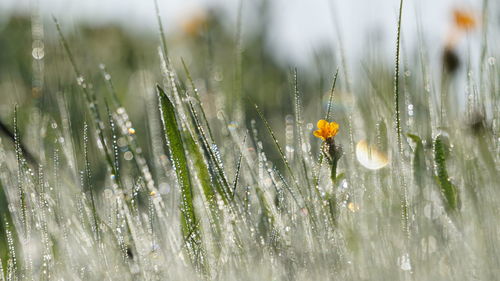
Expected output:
(318, 134)
(465, 20)
(326, 129)
(334, 125)
(334, 128)
(322, 124)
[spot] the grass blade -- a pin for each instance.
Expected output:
(419, 166)
(448, 190)
(189, 226)
(203, 175)
(396, 78)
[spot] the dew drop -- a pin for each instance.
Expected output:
(108, 193)
(370, 157)
(492, 61)
(404, 262)
(128, 156)
(38, 53)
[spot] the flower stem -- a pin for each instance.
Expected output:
(333, 174)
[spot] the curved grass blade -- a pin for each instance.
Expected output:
(419, 166)
(223, 187)
(89, 187)
(275, 140)
(238, 167)
(396, 78)
(20, 171)
(448, 190)
(197, 97)
(203, 175)
(190, 228)
(161, 31)
(89, 97)
(306, 203)
(300, 133)
(7, 220)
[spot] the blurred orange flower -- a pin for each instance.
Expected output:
(465, 20)
(193, 25)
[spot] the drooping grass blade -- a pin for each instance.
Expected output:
(179, 161)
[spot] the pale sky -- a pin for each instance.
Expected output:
(298, 26)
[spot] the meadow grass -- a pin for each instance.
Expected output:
(210, 186)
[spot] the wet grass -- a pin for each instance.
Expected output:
(204, 189)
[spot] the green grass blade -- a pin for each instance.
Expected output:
(396, 78)
(89, 187)
(300, 133)
(223, 184)
(305, 202)
(5, 220)
(275, 140)
(203, 175)
(448, 190)
(419, 166)
(332, 94)
(197, 97)
(238, 167)
(179, 161)
(162, 32)
(20, 170)
(89, 97)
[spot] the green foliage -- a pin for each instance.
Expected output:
(189, 222)
(203, 175)
(419, 165)
(222, 200)
(448, 190)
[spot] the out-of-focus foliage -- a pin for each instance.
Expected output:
(226, 181)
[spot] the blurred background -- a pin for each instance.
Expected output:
(295, 29)
(241, 52)
(231, 56)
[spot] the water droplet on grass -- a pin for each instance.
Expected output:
(38, 53)
(128, 156)
(353, 207)
(370, 157)
(108, 193)
(404, 262)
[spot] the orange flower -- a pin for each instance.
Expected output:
(464, 20)
(326, 130)
(194, 25)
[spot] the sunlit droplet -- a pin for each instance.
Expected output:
(38, 53)
(120, 110)
(353, 207)
(370, 157)
(108, 193)
(232, 125)
(404, 262)
(491, 61)
(128, 156)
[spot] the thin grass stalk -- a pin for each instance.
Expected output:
(396, 79)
